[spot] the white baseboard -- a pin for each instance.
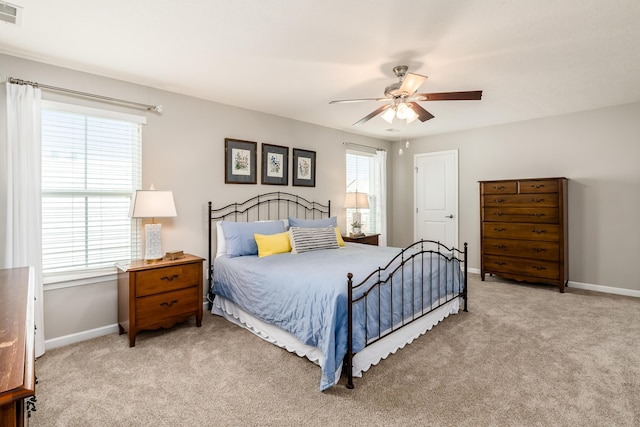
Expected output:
(80, 336)
(588, 287)
(605, 289)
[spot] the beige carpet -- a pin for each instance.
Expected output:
(524, 355)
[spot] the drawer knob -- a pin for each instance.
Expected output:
(538, 231)
(539, 250)
(498, 200)
(537, 186)
(537, 214)
(500, 263)
(498, 187)
(539, 268)
(169, 304)
(175, 276)
(499, 246)
(537, 200)
(499, 229)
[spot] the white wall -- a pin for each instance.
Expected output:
(598, 151)
(183, 151)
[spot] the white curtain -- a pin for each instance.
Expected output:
(22, 245)
(380, 184)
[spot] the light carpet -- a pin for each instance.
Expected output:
(524, 355)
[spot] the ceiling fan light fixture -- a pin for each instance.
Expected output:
(412, 116)
(389, 115)
(404, 111)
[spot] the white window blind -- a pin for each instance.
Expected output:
(91, 164)
(360, 178)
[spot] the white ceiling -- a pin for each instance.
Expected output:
(291, 57)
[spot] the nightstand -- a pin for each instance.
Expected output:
(368, 239)
(158, 294)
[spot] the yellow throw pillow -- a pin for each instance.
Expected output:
(339, 237)
(271, 244)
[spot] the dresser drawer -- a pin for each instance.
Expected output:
(539, 186)
(509, 214)
(506, 230)
(521, 266)
(506, 187)
(522, 248)
(162, 307)
(523, 200)
(164, 279)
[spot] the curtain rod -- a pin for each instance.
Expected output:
(156, 108)
(346, 143)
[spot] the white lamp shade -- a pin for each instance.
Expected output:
(356, 200)
(152, 204)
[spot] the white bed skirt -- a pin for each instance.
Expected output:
(362, 361)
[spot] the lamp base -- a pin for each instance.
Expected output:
(153, 237)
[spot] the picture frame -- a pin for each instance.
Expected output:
(303, 168)
(275, 164)
(239, 161)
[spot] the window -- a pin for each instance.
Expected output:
(360, 167)
(91, 164)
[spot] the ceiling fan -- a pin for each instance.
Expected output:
(403, 98)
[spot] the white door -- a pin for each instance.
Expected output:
(436, 197)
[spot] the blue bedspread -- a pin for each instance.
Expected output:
(306, 294)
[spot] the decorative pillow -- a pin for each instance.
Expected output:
(313, 223)
(339, 237)
(272, 244)
(239, 237)
(311, 239)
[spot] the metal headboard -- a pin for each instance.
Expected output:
(268, 206)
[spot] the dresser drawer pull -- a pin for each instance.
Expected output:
(537, 215)
(539, 268)
(538, 250)
(537, 200)
(169, 304)
(498, 200)
(498, 187)
(537, 185)
(499, 246)
(499, 229)
(500, 263)
(538, 231)
(175, 276)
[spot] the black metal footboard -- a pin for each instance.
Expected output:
(420, 279)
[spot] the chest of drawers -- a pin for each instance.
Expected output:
(523, 230)
(159, 294)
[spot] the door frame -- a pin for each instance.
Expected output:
(456, 214)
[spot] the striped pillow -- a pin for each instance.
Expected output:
(311, 239)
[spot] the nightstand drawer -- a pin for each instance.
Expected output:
(164, 279)
(162, 307)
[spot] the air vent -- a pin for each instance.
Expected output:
(10, 13)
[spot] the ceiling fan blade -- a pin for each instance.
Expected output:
(473, 95)
(372, 114)
(411, 83)
(423, 114)
(344, 101)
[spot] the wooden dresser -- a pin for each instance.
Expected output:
(159, 294)
(523, 230)
(367, 239)
(17, 345)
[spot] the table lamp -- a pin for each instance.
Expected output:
(356, 200)
(153, 204)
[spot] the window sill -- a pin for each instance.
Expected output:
(62, 281)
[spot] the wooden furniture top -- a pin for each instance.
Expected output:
(16, 335)
(141, 264)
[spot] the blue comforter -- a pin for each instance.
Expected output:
(306, 295)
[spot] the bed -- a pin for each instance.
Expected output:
(344, 306)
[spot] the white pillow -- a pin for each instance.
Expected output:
(221, 243)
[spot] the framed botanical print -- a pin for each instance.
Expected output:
(239, 161)
(275, 164)
(303, 168)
